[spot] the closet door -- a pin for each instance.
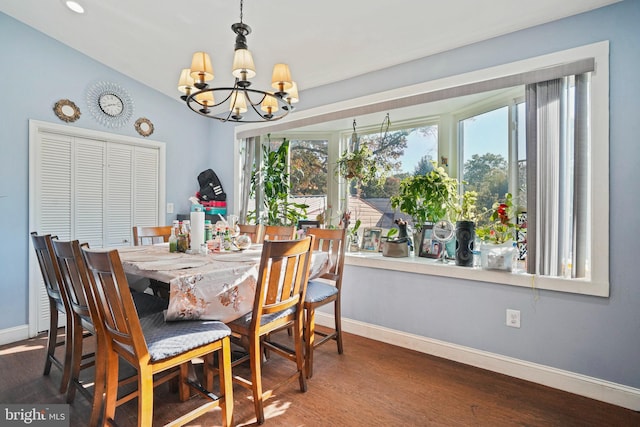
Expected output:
(146, 187)
(87, 214)
(92, 190)
(53, 177)
(118, 200)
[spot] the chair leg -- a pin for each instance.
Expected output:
(99, 382)
(309, 338)
(255, 359)
(145, 395)
(226, 383)
(338, 319)
(52, 337)
(183, 387)
(299, 346)
(76, 359)
(111, 386)
(68, 352)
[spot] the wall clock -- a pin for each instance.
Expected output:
(110, 104)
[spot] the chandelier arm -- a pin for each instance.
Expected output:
(194, 105)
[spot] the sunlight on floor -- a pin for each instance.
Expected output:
(20, 349)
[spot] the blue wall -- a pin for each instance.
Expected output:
(598, 337)
(36, 72)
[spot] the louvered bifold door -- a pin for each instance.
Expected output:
(146, 185)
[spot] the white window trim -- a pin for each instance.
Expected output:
(598, 285)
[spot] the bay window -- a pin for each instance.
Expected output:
(498, 130)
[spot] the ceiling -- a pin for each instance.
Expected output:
(322, 41)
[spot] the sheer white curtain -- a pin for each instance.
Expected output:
(557, 176)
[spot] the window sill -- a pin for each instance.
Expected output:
(432, 267)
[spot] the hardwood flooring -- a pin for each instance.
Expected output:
(371, 384)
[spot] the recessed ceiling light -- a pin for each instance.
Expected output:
(74, 6)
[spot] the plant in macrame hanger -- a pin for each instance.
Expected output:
(358, 160)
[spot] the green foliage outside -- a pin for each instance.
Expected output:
(273, 179)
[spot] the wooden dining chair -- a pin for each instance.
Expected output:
(279, 232)
(280, 288)
(85, 318)
(254, 231)
(153, 346)
(151, 235)
(58, 303)
(322, 292)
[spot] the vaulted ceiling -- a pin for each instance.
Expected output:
(322, 41)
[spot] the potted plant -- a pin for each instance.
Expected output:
(498, 236)
(359, 164)
(272, 176)
(426, 198)
(465, 228)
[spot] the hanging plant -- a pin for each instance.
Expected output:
(359, 162)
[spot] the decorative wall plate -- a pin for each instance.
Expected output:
(110, 104)
(144, 126)
(66, 110)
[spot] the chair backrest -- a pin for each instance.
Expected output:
(282, 277)
(75, 277)
(114, 302)
(254, 231)
(150, 235)
(49, 268)
(332, 241)
(279, 232)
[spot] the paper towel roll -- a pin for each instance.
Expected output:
(197, 231)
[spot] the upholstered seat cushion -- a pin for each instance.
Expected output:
(245, 321)
(319, 291)
(147, 304)
(166, 339)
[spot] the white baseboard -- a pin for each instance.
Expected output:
(17, 333)
(594, 388)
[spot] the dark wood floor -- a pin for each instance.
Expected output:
(371, 384)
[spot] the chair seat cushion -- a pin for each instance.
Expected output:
(166, 339)
(147, 304)
(319, 291)
(245, 321)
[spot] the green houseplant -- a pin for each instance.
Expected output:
(426, 198)
(272, 177)
(498, 236)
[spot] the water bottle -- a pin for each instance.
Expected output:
(173, 239)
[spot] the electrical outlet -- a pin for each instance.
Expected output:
(169, 208)
(513, 318)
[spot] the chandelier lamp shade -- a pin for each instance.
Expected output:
(240, 103)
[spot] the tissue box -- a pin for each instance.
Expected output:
(197, 207)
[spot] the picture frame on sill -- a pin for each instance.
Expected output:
(371, 239)
(430, 247)
(304, 224)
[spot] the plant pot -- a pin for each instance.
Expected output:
(465, 236)
(497, 257)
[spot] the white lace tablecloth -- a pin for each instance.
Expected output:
(219, 286)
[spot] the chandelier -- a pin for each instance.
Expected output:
(239, 103)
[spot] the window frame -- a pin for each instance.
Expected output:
(598, 283)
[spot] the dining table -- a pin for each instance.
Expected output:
(216, 286)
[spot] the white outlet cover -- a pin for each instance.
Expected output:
(169, 207)
(513, 318)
